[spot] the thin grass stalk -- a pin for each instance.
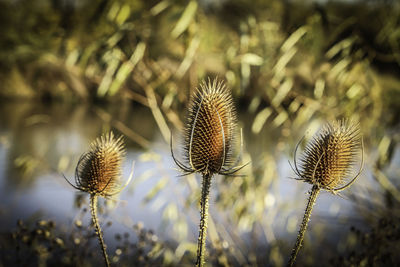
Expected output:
(201, 242)
(93, 209)
(303, 227)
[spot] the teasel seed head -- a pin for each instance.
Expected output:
(98, 171)
(210, 130)
(328, 158)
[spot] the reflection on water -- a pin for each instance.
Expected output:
(40, 142)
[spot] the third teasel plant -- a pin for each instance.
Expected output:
(326, 164)
(209, 144)
(98, 173)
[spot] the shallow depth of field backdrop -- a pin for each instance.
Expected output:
(71, 70)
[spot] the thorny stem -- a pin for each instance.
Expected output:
(303, 227)
(201, 242)
(93, 209)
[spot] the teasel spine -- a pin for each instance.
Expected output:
(98, 173)
(210, 131)
(208, 144)
(329, 156)
(326, 161)
(99, 170)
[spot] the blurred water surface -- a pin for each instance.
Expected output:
(41, 142)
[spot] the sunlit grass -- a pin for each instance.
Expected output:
(290, 65)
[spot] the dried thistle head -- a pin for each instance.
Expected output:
(328, 158)
(99, 170)
(210, 130)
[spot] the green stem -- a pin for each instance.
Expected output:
(303, 227)
(201, 242)
(93, 209)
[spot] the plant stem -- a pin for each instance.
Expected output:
(93, 209)
(201, 242)
(303, 227)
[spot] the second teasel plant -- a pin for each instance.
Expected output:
(209, 139)
(326, 164)
(98, 173)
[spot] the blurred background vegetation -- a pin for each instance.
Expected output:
(130, 66)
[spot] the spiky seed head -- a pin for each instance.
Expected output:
(99, 170)
(210, 127)
(328, 158)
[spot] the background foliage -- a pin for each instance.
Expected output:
(291, 65)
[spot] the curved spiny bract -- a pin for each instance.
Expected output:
(98, 173)
(326, 163)
(210, 128)
(208, 144)
(328, 159)
(99, 170)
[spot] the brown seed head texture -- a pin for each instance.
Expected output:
(99, 170)
(328, 158)
(209, 132)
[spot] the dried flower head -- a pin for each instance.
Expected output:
(328, 158)
(98, 171)
(210, 130)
